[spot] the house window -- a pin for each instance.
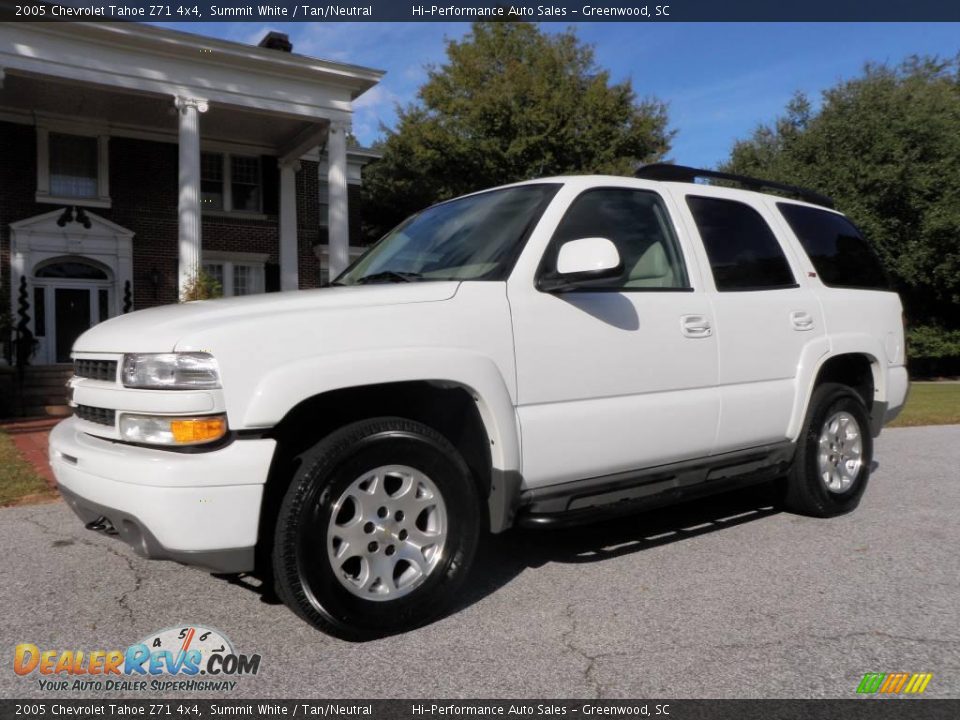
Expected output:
(323, 204)
(237, 273)
(211, 181)
(232, 183)
(72, 169)
(323, 255)
(245, 183)
(73, 166)
(215, 270)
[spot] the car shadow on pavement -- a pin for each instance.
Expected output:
(503, 557)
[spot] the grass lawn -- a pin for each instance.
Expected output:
(18, 480)
(931, 404)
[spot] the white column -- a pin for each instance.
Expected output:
(188, 205)
(289, 272)
(339, 218)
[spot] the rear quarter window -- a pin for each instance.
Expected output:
(840, 254)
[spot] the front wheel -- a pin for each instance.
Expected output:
(832, 462)
(377, 530)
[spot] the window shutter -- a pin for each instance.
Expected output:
(271, 277)
(271, 185)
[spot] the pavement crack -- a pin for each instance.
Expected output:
(122, 600)
(589, 672)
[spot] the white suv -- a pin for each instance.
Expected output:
(537, 354)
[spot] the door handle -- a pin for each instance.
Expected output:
(802, 320)
(695, 326)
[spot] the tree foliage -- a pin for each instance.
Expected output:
(511, 103)
(886, 147)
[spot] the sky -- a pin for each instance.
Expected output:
(719, 80)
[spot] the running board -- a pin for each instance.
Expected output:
(583, 501)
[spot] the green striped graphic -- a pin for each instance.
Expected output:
(871, 682)
(894, 683)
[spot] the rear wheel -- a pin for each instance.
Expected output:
(832, 463)
(377, 530)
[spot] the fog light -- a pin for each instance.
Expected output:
(161, 430)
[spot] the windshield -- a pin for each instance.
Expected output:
(471, 238)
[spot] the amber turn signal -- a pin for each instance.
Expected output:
(198, 430)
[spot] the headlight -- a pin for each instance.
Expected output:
(171, 371)
(162, 430)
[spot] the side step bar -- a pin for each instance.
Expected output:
(583, 501)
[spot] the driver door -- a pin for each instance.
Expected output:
(623, 375)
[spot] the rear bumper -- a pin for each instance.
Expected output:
(886, 411)
(898, 388)
(197, 508)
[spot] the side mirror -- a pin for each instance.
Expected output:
(581, 261)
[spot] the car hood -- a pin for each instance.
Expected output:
(159, 329)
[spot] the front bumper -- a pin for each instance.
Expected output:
(199, 508)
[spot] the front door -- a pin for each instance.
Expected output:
(70, 295)
(71, 318)
(620, 377)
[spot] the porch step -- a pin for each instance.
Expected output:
(33, 397)
(47, 411)
(20, 427)
(47, 371)
(46, 381)
(43, 393)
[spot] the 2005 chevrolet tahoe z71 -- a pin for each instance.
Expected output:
(536, 355)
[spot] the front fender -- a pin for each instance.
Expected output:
(284, 387)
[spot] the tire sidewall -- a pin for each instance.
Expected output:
(827, 400)
(322, 479)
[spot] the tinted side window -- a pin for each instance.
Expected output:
(840, 254)
(636, 221)
(744, 253)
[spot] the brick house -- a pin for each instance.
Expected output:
(130, 156)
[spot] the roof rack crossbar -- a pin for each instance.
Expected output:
(682, 173)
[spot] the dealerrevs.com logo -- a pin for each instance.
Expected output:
(181, 659)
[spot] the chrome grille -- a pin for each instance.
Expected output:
(96, 369)
(101, 416)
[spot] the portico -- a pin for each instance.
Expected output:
(136, 155)
(210, 97)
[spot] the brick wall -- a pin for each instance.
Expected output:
(143, 188)
(308, 224)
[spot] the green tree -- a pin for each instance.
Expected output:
(511, 103)
(886, 147)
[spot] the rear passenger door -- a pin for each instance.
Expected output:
(765, 317)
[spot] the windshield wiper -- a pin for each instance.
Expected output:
(389, 276)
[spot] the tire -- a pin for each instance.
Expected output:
(349, 557)
(832, 485)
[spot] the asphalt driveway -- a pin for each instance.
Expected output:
(719, 598)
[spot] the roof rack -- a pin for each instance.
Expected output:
(681, 173)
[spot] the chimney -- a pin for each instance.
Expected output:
(276, 41)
